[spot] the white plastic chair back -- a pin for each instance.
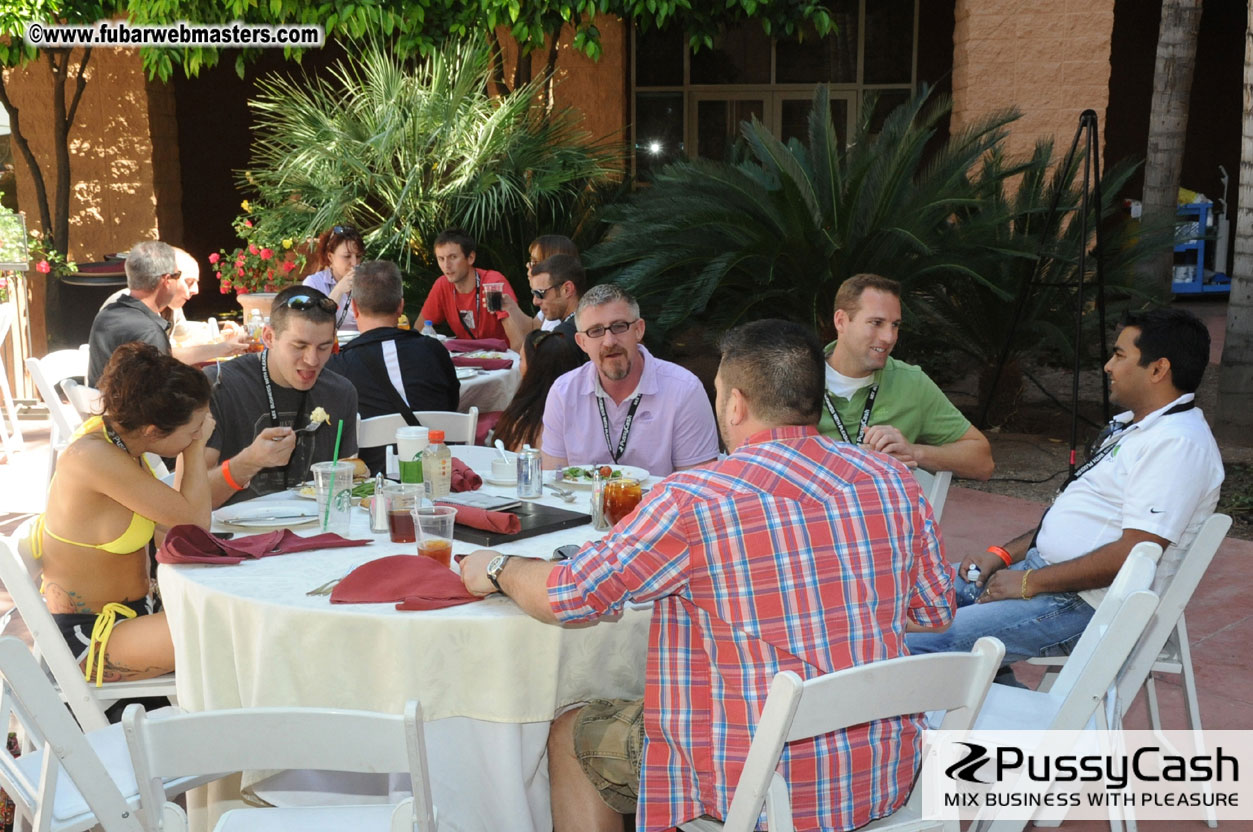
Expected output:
(379, 430)
(85, 400)
(280, 738)
(796, 710)
(49, 371)
(59, 783)
(934, 488)
(19, 571)
(457, 427)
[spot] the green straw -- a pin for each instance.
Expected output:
(339, 435)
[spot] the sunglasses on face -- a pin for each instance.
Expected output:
(303, 303)
(617, 328)
(540, 294)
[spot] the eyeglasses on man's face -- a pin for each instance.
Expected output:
(303, 303)
(617, 328)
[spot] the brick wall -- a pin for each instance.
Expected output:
(1050, 60)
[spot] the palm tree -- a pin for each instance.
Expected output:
(1235, 383)
(405, 151)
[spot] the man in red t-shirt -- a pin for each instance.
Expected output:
(460, 300)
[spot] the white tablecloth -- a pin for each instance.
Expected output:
(491, 389)
(248, 635)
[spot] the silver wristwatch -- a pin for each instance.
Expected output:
(494, 567)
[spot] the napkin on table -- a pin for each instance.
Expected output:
(192, 544)
(464, 478)
(482, 363)
(472, 344)
(488, 521)
(402, 578)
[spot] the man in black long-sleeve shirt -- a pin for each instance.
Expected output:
(393, 369)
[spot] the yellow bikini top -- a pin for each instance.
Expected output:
(137, 534)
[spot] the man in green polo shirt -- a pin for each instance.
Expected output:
(888, 405)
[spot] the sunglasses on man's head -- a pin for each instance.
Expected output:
(303, 303)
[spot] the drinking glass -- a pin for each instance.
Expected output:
(333, 483)
(401, 499)
(493, 293)
(621, 498)
(434, 527)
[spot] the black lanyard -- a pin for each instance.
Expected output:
(113, 437)
(269, 396)
(473, 310)
(343, 315)
(626, 426)
(829, 399)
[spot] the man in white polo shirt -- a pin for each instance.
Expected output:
(1154, 477)
(625, 406)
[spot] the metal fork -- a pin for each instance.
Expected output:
(564, 493)
(326, 588)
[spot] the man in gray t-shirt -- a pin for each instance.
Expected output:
(258, 398)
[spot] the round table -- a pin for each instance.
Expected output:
(491, 390)
(489, 677)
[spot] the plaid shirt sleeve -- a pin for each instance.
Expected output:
(933, 599)
(643, 560)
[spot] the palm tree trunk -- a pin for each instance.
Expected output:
(1235, 382)
(1168, 126)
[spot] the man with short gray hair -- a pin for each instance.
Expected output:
(153, 278)
(625, 406)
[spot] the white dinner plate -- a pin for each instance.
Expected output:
(512, 481)
(268, 514)
(627, 471)
(464, 373)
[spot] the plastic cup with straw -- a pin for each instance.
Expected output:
(339, 435)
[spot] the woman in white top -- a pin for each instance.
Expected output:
(338, 253)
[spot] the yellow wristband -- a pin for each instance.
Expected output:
(1023, 591)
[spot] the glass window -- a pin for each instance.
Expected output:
(884, 102)
(740, 55)
(658, 131)
(815, 60)
(659, 57)
(794, 119)
(889, 42)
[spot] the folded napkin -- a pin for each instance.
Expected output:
(472, 344)
(193, 544)
(488, 521)
(410, 579)
(464, 478)
(487, 422)
(482, 363)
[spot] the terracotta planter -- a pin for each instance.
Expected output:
(262, 301)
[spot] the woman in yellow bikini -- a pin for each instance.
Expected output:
(104, 504)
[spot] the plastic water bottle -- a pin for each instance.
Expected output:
(437, 466)
(429, 330)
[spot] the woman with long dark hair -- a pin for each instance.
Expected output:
(338, 253)
(105, 502)
(545, 357)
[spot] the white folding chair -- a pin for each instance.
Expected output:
(1074, 700)
(18, 571)
(457, 427)
(64, 780)
(1164, 647)
(85, 400)
(934, 488)
(283, 738)
(379, 430)
(796, 710)
(47, 373)
(11, 436)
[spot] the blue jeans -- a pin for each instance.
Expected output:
(1048, 624)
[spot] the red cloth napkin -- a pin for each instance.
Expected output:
(417, 582)
(487, 421)
(482, 363)
(193, 544)
(464, 478)
(472, 344)
(488, 521)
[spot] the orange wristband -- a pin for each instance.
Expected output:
(226, 475)
(1002, 554)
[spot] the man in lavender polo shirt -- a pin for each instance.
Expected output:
(625, 406)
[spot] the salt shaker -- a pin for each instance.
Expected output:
(599, 522)
(378, 508)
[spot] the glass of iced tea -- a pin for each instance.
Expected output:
(402, 498)
(493, 293)
(434, 531)
(621, 497)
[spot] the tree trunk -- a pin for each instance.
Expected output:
(1168, 125)
(1235, 381)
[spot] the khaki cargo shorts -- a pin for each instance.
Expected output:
(609, 742)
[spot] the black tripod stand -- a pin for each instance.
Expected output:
(1087, 131)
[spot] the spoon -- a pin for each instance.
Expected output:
(563, 493)
(500, 449)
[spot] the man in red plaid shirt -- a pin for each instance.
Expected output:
(795, 553)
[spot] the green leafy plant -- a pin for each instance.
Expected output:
(405, 151)
(776, 232)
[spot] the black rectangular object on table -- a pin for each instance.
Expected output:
(536, 518)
